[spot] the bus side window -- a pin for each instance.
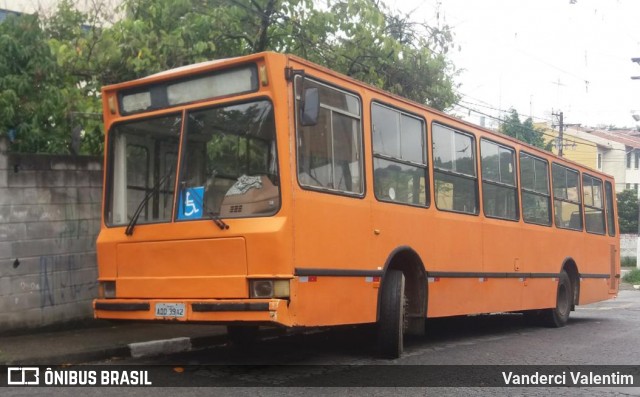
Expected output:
(330, 151)
(534, 186)
(499, 187)
(567, 200)
(399, 156)
(593, 204)
(454, 166)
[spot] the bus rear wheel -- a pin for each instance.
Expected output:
(391, 323)
(559, 316)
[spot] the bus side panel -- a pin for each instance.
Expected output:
(542, 253)
(323, 300)
(598, 260)
(539, 293)
(594, 290)
(457, 242)
(594, 255)
(502, 294)
(457, 248)
(502, 249)
(332, 233)
(455, 296)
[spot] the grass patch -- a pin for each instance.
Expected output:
(628, 261)
(633, 277)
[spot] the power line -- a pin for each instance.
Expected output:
(494, 108)
(529, 129)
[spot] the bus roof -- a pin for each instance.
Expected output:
(181, 70)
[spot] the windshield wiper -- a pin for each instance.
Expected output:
(217, 220)
(215, 217)
(155, 189)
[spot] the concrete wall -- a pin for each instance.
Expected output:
(628, 244)
(49, 220)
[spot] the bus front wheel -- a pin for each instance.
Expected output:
(391, 323)
(559, 316)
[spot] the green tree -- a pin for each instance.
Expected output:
(389, 50)
(360, 38)
(31, 108)
(58, 65)
(83, 50)
(524, 131)
(628, 211)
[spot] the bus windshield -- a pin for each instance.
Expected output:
(143, 162)
(231, 163)
(229, 168)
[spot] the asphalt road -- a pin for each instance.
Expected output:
(606, 333)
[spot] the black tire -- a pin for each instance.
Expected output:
(242, 335)
(559, 316)
(391, 322)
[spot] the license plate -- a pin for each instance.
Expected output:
(170, 310)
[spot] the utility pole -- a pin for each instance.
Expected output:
(561, 132)
(637, 60)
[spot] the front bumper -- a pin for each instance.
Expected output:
(226, 311)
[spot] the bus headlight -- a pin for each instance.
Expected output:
(107, 289)
(269, 288)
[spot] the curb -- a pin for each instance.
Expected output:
(155, 347)
(131, 350)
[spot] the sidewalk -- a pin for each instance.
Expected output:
(106, 340)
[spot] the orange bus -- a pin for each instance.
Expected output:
(267, 190)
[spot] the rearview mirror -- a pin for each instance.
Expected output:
(310, 107)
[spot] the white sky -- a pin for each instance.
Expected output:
(536, 56)
(30, 6)
(542, 55)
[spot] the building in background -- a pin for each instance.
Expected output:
(615, 152)
(630, 139)
(606, 151)
(5, 13)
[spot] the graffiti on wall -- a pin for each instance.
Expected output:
(58, 283)
(50, 259)
(74, 230)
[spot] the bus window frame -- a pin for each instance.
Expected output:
(579, 193)
(604, 212)
(549, 196)
(456, 174)
(296, 110)
(386, 157)
(499, 184)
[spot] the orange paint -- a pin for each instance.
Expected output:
(325, 242)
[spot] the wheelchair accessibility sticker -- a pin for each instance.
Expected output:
(190, 205)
